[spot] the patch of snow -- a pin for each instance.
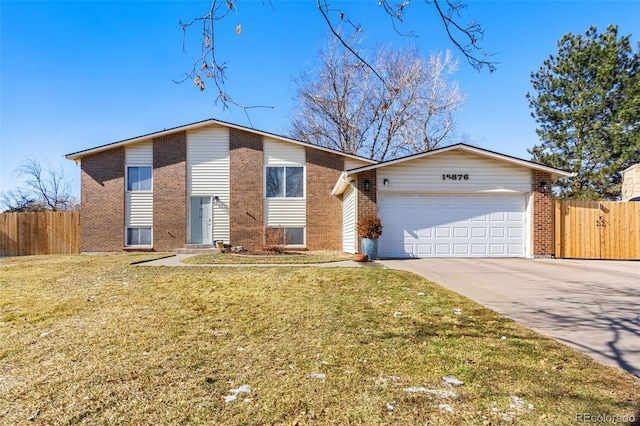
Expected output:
(520, 403)
(450, 380)
(390, 407)
(45, 334)
(503, 338)
(397, 313)
(320, 376)
(420, 293)
(234, 393)
(436, 392)
(507, 417)
(446, 407)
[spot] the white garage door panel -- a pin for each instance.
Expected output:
(452, 225)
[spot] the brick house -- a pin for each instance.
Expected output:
(212, 180)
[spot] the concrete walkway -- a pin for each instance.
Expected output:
(591, 305)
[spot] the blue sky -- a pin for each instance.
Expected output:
(78, 74)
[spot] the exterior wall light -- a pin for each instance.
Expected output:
(216, 200)
(543, 187)
(385, 181)
(367, 185)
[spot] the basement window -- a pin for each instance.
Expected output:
(138, 237)
(292, 236)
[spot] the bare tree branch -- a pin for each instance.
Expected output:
(46, 188)
(344, 106)
(207, 67)
(472, 32)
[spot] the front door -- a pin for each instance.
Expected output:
(201, 220)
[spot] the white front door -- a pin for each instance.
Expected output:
(452, 225)
(201, 220)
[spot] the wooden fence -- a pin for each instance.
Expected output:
(597, 230)
(39, 233)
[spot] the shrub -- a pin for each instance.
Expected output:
(274, 239)
(369, 226)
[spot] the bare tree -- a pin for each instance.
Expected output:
(45, 189)
(208, 67)
(343, 106)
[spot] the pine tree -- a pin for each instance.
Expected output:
(588, 111)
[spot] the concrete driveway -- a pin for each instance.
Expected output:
(591, 305)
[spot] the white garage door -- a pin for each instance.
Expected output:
(452, 225)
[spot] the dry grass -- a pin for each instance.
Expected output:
(299, 258)
(94, 340)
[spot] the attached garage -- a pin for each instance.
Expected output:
(453, 225)
(458, 201)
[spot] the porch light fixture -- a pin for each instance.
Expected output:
(543, 187)
(216, 200)
(385, 181)
(367, 185)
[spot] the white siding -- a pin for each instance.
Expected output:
(138, 209)
(349, 234)
(208, 173)
(138, 206)
(424, 175)
(283, 153)
(285, 212)
(351, 163)
(139, 154)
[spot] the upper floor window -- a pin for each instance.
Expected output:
(286, 182)
(139, 178)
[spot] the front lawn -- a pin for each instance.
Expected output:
(95, 340)
(265, 258)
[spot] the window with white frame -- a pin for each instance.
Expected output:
(138, 178)
(284, 182)
(138, 237)
(292, 236)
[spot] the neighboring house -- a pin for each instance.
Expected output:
(631, 183)
(213, 180)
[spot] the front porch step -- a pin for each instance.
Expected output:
(197, 249)
(199, 246)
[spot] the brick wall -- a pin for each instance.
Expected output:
(367, 199)
(102, 201)
(324, 211)
(542, 215)
(246, 208)
(170, 192)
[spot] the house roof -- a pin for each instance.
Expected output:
(75, 156)
(343, 181)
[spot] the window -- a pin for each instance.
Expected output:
(139, 178)
(292, 236)
(287, 182)
(138, 237)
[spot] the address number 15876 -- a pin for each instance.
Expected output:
(455, 177)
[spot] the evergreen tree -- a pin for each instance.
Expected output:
(588, 110)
